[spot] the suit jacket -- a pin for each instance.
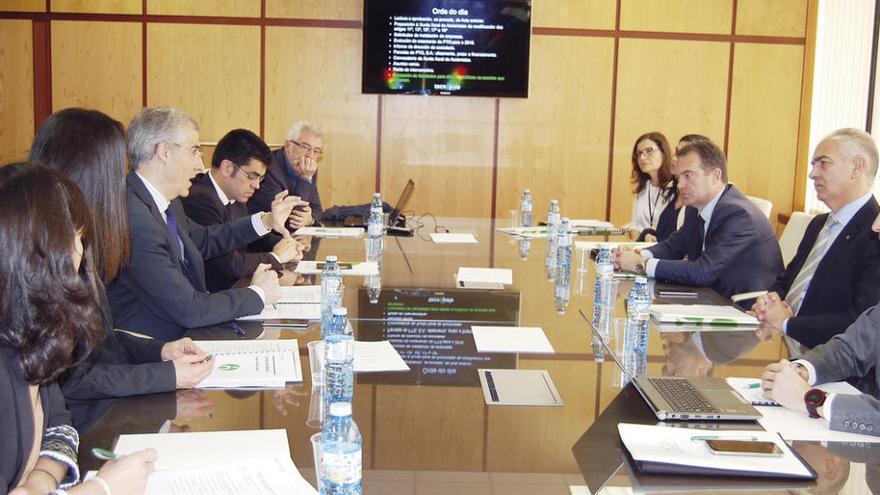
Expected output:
(17, 421)
(280, 177)
(204, 207)
(854, 353)
(846, 281)
(161, 295)
(741, 255)
(121, 365)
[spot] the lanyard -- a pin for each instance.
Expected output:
(650, 207)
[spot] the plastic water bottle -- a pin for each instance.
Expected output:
(338, 367)
(339, 323)
(638, 313)
(563, 266)
(604, 270)
(525, 209)
(376, 202)
(552, 231)
(341, 452)
(331, 296)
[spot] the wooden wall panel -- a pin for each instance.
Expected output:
(351, 10)
(677, 16)
(556, 141)
(98, 6)
(214, 8)
(220, 88)
(771, 17)
(445, 146)
(314, 74)
(97, 65)
(23, 6)
(584, 14)
(763, 144)
(675, 87)
(16, 89)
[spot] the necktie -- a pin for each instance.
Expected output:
(701, 227)
(798, 289)
(172, 228)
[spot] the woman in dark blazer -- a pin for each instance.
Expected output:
(49, 319)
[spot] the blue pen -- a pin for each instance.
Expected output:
(237, 329)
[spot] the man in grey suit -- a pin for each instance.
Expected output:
(726, 243)
(851, 354)
(162, 291)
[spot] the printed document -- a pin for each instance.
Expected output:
(252, 363)
(330, 231)
(300, 294)
(287, 311)
(701, 314)
(358, 268)
(527, 340)
(453, 238)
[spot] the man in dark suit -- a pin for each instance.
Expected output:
(162, 291)
(726, 243)
(238, 167)
(295, 169)
(835, 275)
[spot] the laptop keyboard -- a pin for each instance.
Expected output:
(682, 395)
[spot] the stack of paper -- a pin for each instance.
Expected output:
(701, 314)
(330, 231)
(527, 340)
(222, 462)
(358, 268)
(301, 294)
(453, 238)
(483, 278)
(660, 449)
(252, 363)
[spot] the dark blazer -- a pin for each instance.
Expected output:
(854, 353)
(280, 177)
(204, 207)
(741, 255)
(846, 281)
(121, 365)
(158, 294)
(17, 419)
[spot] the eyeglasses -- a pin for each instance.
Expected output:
(196, 150)
(647, 152)
(308, 149)
(251, 176)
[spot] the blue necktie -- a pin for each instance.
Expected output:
(172, 227)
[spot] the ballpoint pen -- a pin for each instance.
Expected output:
(753, 385)
(237, 329)
(104, 454)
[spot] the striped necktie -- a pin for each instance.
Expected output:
(798, 289)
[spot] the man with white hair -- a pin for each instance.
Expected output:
(162, 291)
(835, 275)
(295, 169)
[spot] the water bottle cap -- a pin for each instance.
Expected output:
(554, 202)
(377, 195)
(339, 311)
(566, 220)
(641, 280)
(340, 409)
(527, 191)
(330, 259)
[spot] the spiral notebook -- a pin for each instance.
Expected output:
(252, 363)
(750, 390)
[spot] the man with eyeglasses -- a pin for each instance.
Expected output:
(162, 291)
(295, 169)
(238, 167)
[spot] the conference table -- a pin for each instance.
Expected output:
(429, 430)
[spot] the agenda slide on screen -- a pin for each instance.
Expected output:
(447, 47)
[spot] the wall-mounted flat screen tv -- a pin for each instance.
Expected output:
(447, 47)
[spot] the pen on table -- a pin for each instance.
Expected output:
(104, 454)
(237, 329)
(716, 437)
(207, 358)
(753, 385)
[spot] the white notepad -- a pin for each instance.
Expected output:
(755, 395)
(252, 363)
(527, 340)
(330, 231)
(287, 311)
(356, 268)
(518, 388)
(300, 294)
(453, 238)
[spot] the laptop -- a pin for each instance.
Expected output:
(672, 397)
(396, 224)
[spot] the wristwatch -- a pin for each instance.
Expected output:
(814, 399)
(640, 269)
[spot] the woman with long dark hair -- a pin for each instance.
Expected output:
(49, 320)
(652, 178)
(88, 147)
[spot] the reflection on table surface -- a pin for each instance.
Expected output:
(429, 430)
